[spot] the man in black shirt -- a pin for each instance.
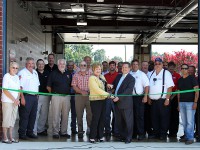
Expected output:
(187, 103)
(41, 122)
(59, 82)
(51, 66)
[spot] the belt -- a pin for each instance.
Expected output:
(26, 94)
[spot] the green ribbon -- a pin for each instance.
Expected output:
(55, 94)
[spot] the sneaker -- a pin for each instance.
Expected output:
(188, 142)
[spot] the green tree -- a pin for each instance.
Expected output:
(99, 55)
(117, 58)
(76, 52)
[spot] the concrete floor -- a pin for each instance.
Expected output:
(48, 143)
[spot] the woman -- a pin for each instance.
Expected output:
(10, 102)
(97, 84)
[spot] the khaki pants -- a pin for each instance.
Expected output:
(60, 113)
(9, 111)
(82, 102)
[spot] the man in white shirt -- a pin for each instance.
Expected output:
(160, 82)
(141, 87)
(29, 81)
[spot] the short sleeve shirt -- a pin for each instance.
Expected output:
(187, 83)
(141, 81)
(10, 82)
(29, 81)
(110, 77)
(59, 82)
(175, 77)
(156, 83)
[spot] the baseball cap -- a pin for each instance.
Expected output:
(158, 59)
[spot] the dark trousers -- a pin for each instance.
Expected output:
(110, 108)
(160, 116)
(138, 115)
(125, 122)
(147, 119)
(73, 113)
(98, 108)
(174, 117)
(27, 115)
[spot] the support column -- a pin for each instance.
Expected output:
(142, 53)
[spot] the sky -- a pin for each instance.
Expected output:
(119, 50)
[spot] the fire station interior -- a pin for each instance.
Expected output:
(137, 22)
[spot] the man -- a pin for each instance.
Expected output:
(123, 86)
(144, 67)
(29, 81)
(174, 113)
(105, 67)
(119, 67)
(80, 85)
(43, 101)
(110, 77)
(59, 82)
(70, 70)
(192, 70)
(88, 61)
(165, 65)
(187, 103)
(160, 82)
(141, 87)
(51, 66)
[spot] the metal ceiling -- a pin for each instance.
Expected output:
(138, 17)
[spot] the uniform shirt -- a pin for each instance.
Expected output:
(29, 81)
(175, 77)
(141, 81)
(156, 86)
(59, 82)
(187, 83)
(43, 78)
(48, 68)
(10, 82)
(81, 80)
(110, 77)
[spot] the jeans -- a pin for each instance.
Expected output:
(187, 116)
(110, 107)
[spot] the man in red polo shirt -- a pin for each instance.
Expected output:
(174, 116)
(110, 77)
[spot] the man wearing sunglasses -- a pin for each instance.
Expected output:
(80, 85)
(187, 103)
(160, 82)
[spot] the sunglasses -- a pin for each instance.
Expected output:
(14, 68)
(83, 65)
(184, 68)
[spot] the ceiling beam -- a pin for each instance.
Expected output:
(167, 3)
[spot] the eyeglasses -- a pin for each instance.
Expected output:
(184, 68)
(83, 65)
(14, 68)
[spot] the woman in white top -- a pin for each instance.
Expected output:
(10, 102)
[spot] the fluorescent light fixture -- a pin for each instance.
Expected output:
(77, 8)
(81, 23)
(100, 1)
(66, 10)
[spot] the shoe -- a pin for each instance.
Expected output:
(141, 137)
(92, 141)
(23, 137)
(44, 133)
(80, 135)
(101, 140)
(56, 136)
(74, 132)
(7, 141)
(182, 137)
(65, 135)
(182, 140)
(188, 142)
(14, 141)
(33, 136)
(127, 141)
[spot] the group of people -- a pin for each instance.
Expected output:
(140, 100)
